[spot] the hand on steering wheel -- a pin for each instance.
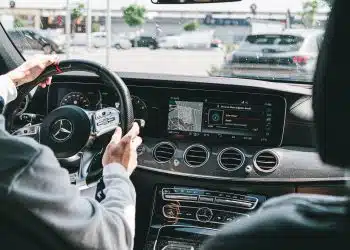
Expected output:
(70, 131)
(123, 150)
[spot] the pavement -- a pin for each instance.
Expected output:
(172, 61)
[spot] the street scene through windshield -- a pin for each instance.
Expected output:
(262, 39)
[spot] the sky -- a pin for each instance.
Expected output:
(244, 5)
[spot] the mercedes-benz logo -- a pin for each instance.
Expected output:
(62, 130)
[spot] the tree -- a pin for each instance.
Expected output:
(192, 26)
(310, 9)
(134, 16)
(76, 15)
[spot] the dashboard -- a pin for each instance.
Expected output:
(211, 130)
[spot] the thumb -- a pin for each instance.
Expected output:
(116, 137)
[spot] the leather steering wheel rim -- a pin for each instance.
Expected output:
(107, 76)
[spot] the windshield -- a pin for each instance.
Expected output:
(275, 40)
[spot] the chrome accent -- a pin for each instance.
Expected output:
(238, 179)
(221, 223)
(158, 145)
(61, 130)
(225, 150)
(200, 146)
(214, 203)
(266, 151)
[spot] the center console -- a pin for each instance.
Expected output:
(183, 217)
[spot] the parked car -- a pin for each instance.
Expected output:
(170, 42)
(99, 39)
(145, 41)
(291, 54)
(30, 39)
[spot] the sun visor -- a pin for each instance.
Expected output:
(331, 99)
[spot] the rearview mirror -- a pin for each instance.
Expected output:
(191, 1)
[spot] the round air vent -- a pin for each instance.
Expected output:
(196, 155)
(231, 159)
(266, 161)
(163, 152)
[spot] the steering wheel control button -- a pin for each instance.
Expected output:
(105, 120)
(204, 214)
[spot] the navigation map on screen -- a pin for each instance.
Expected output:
(185, 116)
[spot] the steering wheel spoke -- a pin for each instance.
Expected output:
(32, 131)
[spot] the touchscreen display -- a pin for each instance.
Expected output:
(242, 120)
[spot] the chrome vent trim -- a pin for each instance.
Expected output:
(196, 155)
(163, 152)
(231, 159)
(266, 161)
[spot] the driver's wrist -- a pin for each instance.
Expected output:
(8, 89)
(13, 77)
(115, 168)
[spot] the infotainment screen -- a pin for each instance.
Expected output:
(258, 120)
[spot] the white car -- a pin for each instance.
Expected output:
(170, 42)
(99, 39)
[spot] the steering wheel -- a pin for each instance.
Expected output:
(70, 130)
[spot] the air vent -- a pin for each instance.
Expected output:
(231, 159)
(196, 155)
(266, 161)
(163, 152)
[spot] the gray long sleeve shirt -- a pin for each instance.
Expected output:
(30, 173)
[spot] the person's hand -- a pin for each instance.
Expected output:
(31, 69)
(123, 150)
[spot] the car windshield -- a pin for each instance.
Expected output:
(275, 40)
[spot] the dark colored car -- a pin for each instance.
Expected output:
(145, 41)
(27, 39)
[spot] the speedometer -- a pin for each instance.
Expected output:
(75, 98)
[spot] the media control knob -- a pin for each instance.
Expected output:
(204, 214)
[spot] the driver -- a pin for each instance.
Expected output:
(31, 174)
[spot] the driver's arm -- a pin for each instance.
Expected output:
(34, 177)
(30, 173)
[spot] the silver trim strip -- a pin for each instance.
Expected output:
(225, 150)
(203, 202)
(200, 146)
(237, 179)
(266, 151)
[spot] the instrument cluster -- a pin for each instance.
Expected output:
(92, 97)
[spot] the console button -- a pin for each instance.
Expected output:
(233, 203)
(188, 213)
(181, 197)
(171, 211)
(206, 199)
(219, 217)
(204, 214)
